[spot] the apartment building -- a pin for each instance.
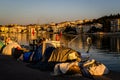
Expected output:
(115, 25)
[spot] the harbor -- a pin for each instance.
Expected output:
(97, 51)
(104, 47)
(59, 40)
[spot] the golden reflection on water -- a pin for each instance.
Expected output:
(77, 42)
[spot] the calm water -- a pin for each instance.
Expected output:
(105, 48)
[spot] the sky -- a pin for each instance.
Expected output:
(46, 11)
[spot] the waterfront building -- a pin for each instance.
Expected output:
(115, 25)
(4, 29)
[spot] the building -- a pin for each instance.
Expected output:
(115, 25)
(4, 29)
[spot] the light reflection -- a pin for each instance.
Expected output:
(111, 43)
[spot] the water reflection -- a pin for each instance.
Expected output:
(77, 42)
(115, 43)
(110, 43)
